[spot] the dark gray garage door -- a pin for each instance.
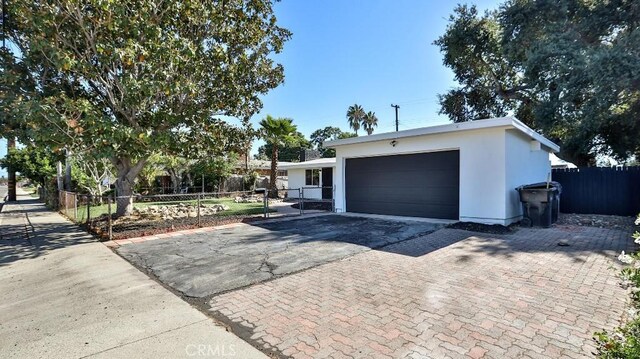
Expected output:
(416, 185)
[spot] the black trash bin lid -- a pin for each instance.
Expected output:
(543, 185)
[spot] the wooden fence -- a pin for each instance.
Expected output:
(598, 190)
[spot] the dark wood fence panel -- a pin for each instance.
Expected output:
(595, 190)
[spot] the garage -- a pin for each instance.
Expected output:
(465, 171)
(414, 185)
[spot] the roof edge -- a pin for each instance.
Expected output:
(508, 121)
(324, 162)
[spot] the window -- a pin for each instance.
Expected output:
(312, 177)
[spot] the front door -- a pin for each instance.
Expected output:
(327, 183)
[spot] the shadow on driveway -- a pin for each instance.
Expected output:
(200, 265)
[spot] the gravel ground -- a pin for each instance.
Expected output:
(587, 220)
(598, 220)
(484, 228)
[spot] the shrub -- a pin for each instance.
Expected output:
(624, 341)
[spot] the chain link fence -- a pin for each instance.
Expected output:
(142, 215)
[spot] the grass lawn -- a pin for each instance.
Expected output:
(235, 209)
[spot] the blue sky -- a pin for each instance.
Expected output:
(373, 53)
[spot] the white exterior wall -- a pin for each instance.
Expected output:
(297, 180)
(482, 168)
(527, 163)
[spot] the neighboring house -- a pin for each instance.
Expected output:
(463, 171)
(315, 177)
(263, 167)
(557, 163)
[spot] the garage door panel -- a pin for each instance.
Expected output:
(407, 177)
(413, 210)
(421, 185)
(390, 162)
(438, 195)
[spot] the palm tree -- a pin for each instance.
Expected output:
(355, 114)
(369, 121)
(278, 132)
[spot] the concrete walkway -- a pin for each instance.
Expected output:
(62, 294)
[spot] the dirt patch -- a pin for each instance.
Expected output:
(147, 228)
(598, 220)
(314, 205)
(484, 228)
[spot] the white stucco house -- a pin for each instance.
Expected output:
(314, 176)
(462, 171)
(559, 163)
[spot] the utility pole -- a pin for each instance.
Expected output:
(396, 107)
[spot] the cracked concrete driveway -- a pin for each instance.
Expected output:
(203, 264)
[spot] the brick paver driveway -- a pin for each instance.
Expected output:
(449, 294)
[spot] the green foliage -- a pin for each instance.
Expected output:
(624, 342)
(92, 175)
(369, 122)
(347, 135)
(355, 115)
(176, 166)
(125, 80)
(359, 118)
(289, 151)
(567, 68)
(282, 134)
(34, 163)
(318, 137)
(151, 170)
(249, 180)
(215, 170)
(277, 132)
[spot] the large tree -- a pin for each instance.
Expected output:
(319, 136)
(92, 175)
(128, 79)
(567, 68)
(369, 122)
(355, 114)
(288, 151)
(34, 163)
(277, 132)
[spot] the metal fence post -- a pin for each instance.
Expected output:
(264, 202)
(198, 211)
(75, 207)
(333, 199)
(89, 198)
(302, 202)
(109, 224)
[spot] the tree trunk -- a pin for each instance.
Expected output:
(127, 173)
(176, 180)
(67, 170)
(11, 172)
(273, 187)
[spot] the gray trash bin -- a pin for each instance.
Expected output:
(540, 203)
